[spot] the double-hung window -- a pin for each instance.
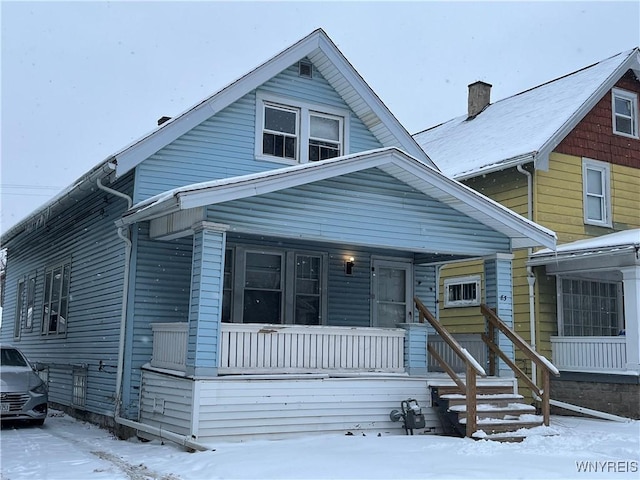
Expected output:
(462, 291)
(280, 134)
(325, 137)
(292, 131)
(25, 305)
(625, 112)
(55, 306)
(596, 192)
(274, 286)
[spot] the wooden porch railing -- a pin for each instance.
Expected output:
(261, 348)
(546, 367)
(472, 367)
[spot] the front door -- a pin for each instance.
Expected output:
(391, 292)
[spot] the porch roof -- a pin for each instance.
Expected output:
(424, 178)
(624, 243)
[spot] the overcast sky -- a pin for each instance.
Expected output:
(80, 80)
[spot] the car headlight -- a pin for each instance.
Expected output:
(40, 389)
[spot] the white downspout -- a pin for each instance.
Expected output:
(158, 432)
(531, 278)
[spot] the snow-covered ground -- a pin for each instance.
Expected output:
(68, 449)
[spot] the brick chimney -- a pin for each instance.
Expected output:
(479, 97)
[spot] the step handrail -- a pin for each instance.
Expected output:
(473, 368)
(546, 367)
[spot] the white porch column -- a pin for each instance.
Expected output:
(498, 280)
(205, 305)
(631, 287)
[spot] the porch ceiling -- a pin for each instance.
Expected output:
(423, 178)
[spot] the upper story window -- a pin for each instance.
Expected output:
(625, 112)
(25, 305)
(55, 306)
(596, 192)
(280, 133)
(462, 292)
(296, 132)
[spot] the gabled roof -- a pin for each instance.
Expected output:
(395, 162)
(525, 127)
(333, 66)
(318, 47)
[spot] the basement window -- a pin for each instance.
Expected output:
(462, 291)
(79, 386)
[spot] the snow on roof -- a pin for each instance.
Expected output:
(516, 129)
(617, 240)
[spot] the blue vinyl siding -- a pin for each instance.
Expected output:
(159, 292)
(223, 145)
(499, 295)
(368, 208)
(86, 236)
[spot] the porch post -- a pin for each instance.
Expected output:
(415, 348)
(498, 277)
(205, 305)
(631, 287)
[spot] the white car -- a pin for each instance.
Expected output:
(23, 394)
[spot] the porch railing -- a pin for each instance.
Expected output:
(590, 354)
(261, 348)
(170, 345)
(495, 325)
(472, 367)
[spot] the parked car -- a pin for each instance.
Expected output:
(23, 394)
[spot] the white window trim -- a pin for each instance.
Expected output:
(605, 169)
(448, 282)
(633, 97)
(305, 109)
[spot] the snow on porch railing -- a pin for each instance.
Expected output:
(169, 345)
(260, 348)
(590, 354)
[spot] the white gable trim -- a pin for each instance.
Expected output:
(522, 232)
(318, 40)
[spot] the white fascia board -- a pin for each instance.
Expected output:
(406, 141)
(530, 233)
(150, 144)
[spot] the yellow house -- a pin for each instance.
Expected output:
(565, 154)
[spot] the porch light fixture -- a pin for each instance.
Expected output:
(348, 266)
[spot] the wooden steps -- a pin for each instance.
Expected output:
(500, 412)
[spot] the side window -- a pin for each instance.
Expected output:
(227, 289)
(625, 113)
(25, 304)
(55, 306)
(462, 291)
(21, 302)
(596, 192)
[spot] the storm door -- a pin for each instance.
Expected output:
(391, 292)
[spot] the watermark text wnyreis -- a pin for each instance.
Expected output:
(608, 466)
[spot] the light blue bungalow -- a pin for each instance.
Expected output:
(249, 267)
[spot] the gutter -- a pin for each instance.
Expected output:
(123, 234)
(39, 216)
